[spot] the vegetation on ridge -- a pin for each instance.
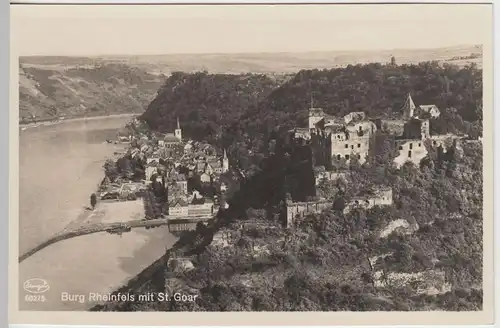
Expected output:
(324, 265)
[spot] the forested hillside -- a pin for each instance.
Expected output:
(332, 260)
(89, 90)
(243, 112)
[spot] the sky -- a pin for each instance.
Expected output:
(139, 30)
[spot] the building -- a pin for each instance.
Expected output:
(204, 208)
(354, 116)
(188, 148)
(412, 150)
(382, 196)
(315, 116)
(301, 133)
(152, 168)
(333, 140)
(213, 167)
(193, 205)
(416, 128)
(322, 174)
(205, 178)
(431, 110)
(410, 110)
(225, 162)
(353, 140)
(173, 139)
(178, 182)
(178, 207)
(297, 210)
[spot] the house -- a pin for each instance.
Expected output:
(205, 178)
(151, 169)
(180, 181)
(410, 110)
(201, 207)
(188, 148)
(431, 110)
(178, 207)
(200, 167)
(354, 116)
(213, 167)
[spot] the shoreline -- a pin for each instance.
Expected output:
(25, 126)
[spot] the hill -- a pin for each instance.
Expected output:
(245, 112)
(266, 63)
(76, 91)
(76, 86)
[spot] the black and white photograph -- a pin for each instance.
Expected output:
(254, 158)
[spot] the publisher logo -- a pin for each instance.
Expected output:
(36, 286)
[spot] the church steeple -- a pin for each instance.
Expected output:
(225, 162)
(408, 107)
(178, 131)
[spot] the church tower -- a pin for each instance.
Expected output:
(178, 131)
(408, 108)
(225, 163)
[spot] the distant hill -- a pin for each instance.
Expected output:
(75, 86)
(75, 91)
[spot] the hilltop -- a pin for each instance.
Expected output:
(267, 63)
(52, 86)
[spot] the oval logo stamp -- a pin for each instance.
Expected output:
(36, 286)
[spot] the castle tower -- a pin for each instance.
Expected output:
(408, 108)
(424, 129)
(225, 163)
(178, 131)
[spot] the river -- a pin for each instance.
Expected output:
(59, 166)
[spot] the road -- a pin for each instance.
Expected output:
(100, 227)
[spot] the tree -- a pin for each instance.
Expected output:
(93, 200)
(110, 170)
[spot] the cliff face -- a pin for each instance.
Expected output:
(48, 92)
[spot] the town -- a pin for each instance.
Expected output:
(186, 182)
(181, 181)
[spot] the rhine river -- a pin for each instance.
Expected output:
(60, 165)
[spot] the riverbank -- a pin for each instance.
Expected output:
(59, 167)
(25, 126)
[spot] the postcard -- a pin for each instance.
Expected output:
(255, 164)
